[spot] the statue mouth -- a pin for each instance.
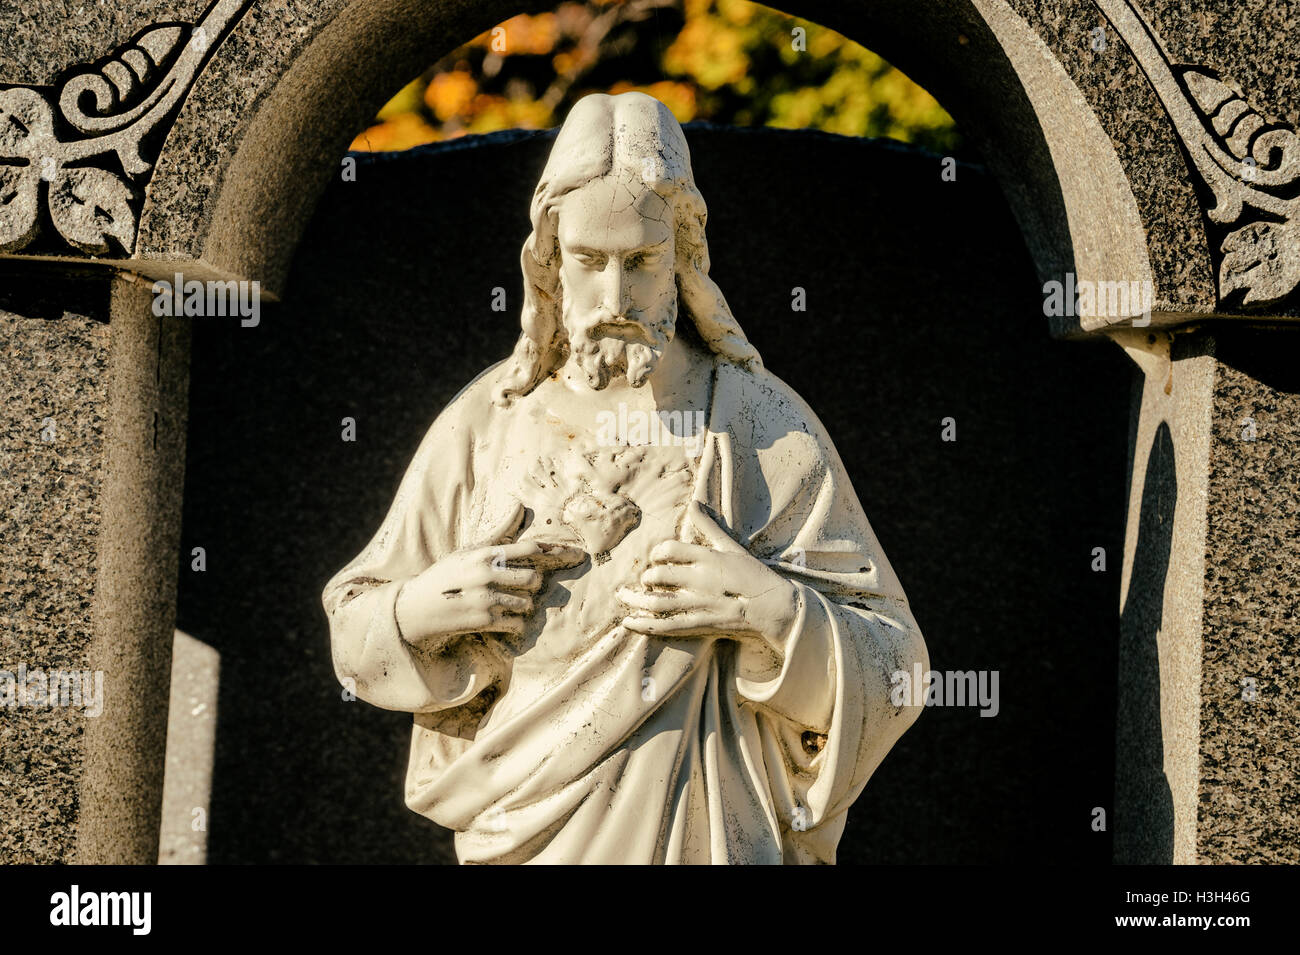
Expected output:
(622, 329)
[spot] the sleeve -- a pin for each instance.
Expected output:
(824, 710)
(431, 515)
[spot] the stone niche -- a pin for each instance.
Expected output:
(1159, 690)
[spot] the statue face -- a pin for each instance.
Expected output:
(618, 274)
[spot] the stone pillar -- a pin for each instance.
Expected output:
(94, 437)
(1210, 612)
(53, 362)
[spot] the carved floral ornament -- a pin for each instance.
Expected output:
(81, 151)
(1250, 165)
(57, 149)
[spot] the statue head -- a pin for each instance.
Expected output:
(617, 251)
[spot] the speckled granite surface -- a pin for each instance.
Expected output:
(52, 368)
(1251, 42)
(283, 59)
(1249, 788)
(40, 39)
(1114, 85)
(276, 53)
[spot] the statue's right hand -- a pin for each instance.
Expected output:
(479, 590)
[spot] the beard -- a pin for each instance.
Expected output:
(606, 350)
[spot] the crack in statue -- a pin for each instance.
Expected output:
(623, 649)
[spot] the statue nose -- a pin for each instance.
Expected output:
(616, 291)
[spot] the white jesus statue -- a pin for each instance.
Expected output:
(626, 587)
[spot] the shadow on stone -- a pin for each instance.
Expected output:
(1266, 355)
(1144, 805)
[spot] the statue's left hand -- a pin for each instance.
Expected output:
(717, 589)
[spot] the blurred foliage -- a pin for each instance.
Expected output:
(727, 61)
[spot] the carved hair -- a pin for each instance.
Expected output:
(631, 134)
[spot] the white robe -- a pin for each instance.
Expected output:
(585, 742)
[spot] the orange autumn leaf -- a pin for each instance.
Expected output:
(726, 61)
(522, 35)
(449, 94)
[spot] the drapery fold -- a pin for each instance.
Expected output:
(620, 747)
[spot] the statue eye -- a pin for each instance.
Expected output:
(589, 259)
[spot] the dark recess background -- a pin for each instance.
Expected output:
(922, 304)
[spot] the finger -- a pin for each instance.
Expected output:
(674, 552)
(511, 603)
(666, 575)
(555, 557)
(507, 552)
(516, 578)
(667, 602)
(506, 623)
(681, 625)
(709, 529)
(537, 554)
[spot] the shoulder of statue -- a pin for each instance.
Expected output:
(770, 408)
(472, 410)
